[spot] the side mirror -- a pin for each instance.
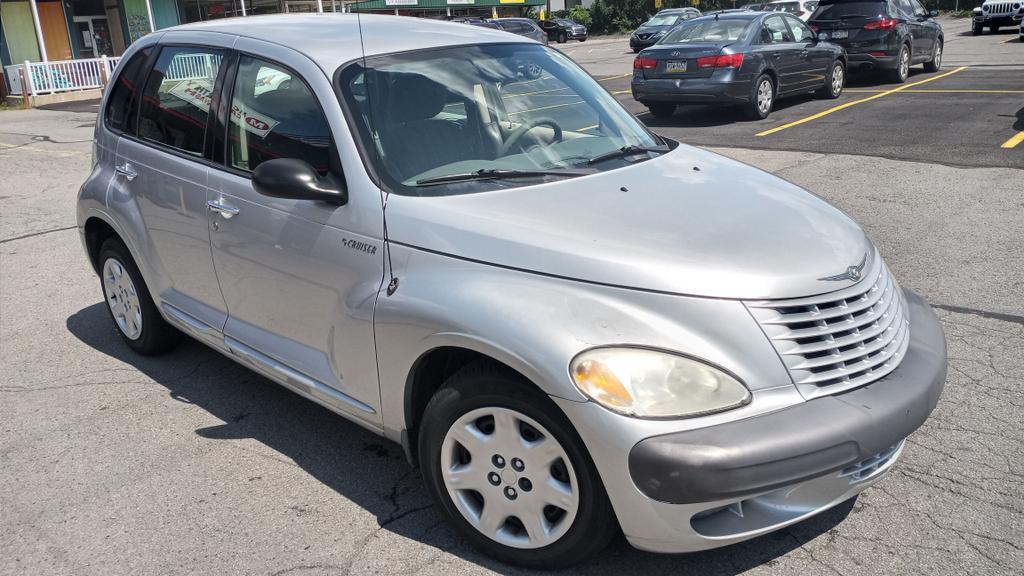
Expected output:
(296, 180)
(933, 14)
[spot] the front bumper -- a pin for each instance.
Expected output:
(1000, 20)
(712, 486)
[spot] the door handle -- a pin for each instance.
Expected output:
(223, 209)
(127, 171)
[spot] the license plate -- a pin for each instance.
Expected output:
(675, 66)
(836, 34)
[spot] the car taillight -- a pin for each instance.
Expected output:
(883, 24)
(644, 63)
(720, 61)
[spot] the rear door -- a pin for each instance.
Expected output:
(784, 54)
(162, 169)
(921, 45)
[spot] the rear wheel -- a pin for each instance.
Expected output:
(935, 63)
(834, 82)
(562, 38)
(509, 471)
(661, 109)
(902, 70)
(128, 301)
(761, 99)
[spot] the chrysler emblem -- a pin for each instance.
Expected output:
(852, 272)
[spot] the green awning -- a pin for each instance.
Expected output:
(420, 4)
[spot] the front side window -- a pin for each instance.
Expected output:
(709, 30)
(800, 30)
(274, 114)
(176, 100)
(509, 107)
(123, 102)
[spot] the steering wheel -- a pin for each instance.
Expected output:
(525, 127)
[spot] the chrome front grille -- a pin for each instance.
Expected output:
(840, 340)
(1001, 8)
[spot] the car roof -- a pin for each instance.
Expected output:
(333, 39)
(737, 15)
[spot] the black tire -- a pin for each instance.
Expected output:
(935, 63)
(661, 109)
(994, 29)
(752, 109)
(584, 39)
(833, 89)
(900, 73)
(636, 50)
(487, 385)
(156, 336)
(562, 37)
(977, 29)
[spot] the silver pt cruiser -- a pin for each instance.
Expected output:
(456, 238)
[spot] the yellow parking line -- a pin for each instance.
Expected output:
(545, 108)
(930, 91)
(621, 92)
(614, 77)
(585, 128)
(856, 102)
(1013, 141)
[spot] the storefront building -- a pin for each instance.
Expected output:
(450, 8)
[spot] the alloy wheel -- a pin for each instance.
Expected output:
(937, 58)
(904, 64)
(122, 298)
(838, 79)
(764, 97)
(509, 477)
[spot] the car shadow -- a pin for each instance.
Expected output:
(371, 471)
(709, 116)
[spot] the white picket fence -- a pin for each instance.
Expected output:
(59, 76)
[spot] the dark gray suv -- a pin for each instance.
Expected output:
(523, 27)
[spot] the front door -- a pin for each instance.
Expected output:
(164, 172)
(815, 58)
(300, 278)
(784, 53)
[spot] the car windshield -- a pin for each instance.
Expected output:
(503, 115)
(840, 10)
(707, 30)
(662, 20)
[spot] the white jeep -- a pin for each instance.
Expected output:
(996, 13)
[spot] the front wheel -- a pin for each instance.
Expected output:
(508, 470)
(994, 29)
(977, 29)
(661, 109)
(834, 82)
(902, 71)
(562, 38)
(761, 99)
(935, 63)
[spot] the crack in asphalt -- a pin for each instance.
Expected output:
(34, 234)
(1013, 318)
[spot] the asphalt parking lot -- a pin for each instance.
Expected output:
(112, 463)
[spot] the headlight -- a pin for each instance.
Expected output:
(658, 34)
(653, 384)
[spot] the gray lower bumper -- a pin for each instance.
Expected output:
(802, 442)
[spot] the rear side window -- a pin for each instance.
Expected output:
(176, 101)
(274, 114)
(124, 95)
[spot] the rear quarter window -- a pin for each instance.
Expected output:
(123, 102)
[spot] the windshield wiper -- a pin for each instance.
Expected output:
(630, 150)
(497, 174)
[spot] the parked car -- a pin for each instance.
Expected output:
(993, 14)
(887, 35)
(476, 21)
(573, 326)
(802, 9)
(562, 29)
(655, 29)
(522, 26)
(746, 59)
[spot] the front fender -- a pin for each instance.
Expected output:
(536, 324)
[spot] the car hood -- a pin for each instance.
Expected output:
(687, 222)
